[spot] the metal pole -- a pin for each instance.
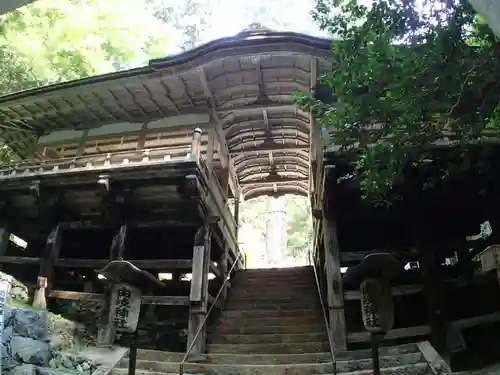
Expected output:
(132, 354)
(375, 354)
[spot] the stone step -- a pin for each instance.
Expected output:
(417, 369)
(257, 328)
(225, 314)
(295, 280)
(224, 358)
(243, 291)
(276, 271)
(271, 321)
(348, 356)
(282, 348)
(288, 305)
(272, 368)
(269, 338)
(265, 299)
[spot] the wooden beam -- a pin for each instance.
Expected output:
(19, 260)
(100, 263)
(99, 297)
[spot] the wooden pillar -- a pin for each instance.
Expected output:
(45, 275)
(196, 144)
(4, 240)
(335, 292)
(88, 286)
(237, 215)
(433, 289)
(210, 151)
(198, 297)
(106, 331)
(223, 267)
(421, 206)
(225, 183)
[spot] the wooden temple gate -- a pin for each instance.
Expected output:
(150, 166)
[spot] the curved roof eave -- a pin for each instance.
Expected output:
(220, 46)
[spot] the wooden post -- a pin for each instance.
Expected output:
(106, 331)
(198, 297)
(433, 287)
(195, 144)
(45, 275)
(335, 292)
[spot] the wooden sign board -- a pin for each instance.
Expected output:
(125, 307)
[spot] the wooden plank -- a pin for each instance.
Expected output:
(99, 297)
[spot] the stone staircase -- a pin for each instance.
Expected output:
(273, 325)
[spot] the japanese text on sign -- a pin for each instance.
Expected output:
(126, 307)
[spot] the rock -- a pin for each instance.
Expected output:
(23, 370)
(30, 351)
(8, 362)
(30, 323)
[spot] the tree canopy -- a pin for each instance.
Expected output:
(60, 40)
(406, 74)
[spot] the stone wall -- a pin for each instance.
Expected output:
(38, 342)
